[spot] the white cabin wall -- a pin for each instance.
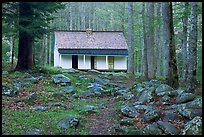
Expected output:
(120, 63)
(82, 64)
(101, 63)
(66, 61)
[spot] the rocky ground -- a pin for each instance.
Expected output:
(96, 103)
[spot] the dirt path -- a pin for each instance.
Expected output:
(102, 123)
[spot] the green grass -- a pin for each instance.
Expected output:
(19, 120)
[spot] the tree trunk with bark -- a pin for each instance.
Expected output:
(145, 65)
(150, 41)
(26, 40)
(184, 41)
(130, 39)
(192, 49)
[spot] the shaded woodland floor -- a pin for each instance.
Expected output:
(104, 120)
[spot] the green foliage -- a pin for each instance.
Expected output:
(49, 69)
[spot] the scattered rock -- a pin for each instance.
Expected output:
(168, 128)
(185, 97)
(135, 131)
(68, 89)
(171, 114)
(196, 103)
(61, 79)
(40, 108)
(88, 109)
(4, 72)
(51, 104)
(153, 129)
(8, 91)
(193, 127)
(146, 96)
(162, 88)
(151, 115)
(68, 121)
(127, 121)
(32, 132)
(129, 111)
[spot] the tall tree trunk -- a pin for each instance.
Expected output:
(150, 39)
(46, 48)
(166, 36)
(50, 49)
(173, 71)
(192, 49)
(145, 65)
(158, 45)
(184, 42)
(25, 45)
(169, 42)
(130, 39)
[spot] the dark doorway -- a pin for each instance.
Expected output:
(75, 61)
(92, 62)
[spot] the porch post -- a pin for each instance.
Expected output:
(84, 61)
(60, 60)
(107, 62)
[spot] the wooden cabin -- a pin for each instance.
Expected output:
(83, 50)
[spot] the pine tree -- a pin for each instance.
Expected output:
(32, 23)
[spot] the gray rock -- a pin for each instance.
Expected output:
(68, 89)
(27, 75)
(95, 87)
(43, 108)
(8, 91)
(168, 128)
(135, 131)
(129, 111)
(61, 79)
(153, 129)
(151, 115)
(165, 98)
(32, 132)
(100, 81)
(88, 93)
(51, 104)
(139, 88)
(128, 96)
(168, 93)
(119, 92)
(68, 121)
(155, 83)
(171, 114)
(193, 127)
(146, 96)
(185, 97)
(127, 121)
(137, 103)
(190, 113)
(4, 72)
(162, 88)
(94, 71)
(75, 95)
(88, 109)
(196, 103)
(143, 107)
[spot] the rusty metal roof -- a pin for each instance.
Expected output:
(93, 40)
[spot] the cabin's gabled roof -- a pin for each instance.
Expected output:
(95, 40)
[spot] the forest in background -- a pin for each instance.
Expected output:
(160, 94)
(115, 16)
